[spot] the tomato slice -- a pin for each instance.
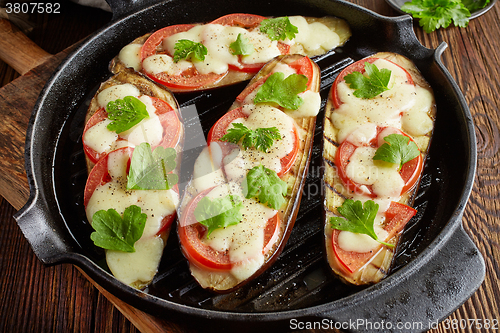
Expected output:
(100, 176)
(305, 67)
(397, 216)
(219, 129)
(342, 159)
(246, 21)
(200, 254)
(99, 116)
(358, 66)
(151, 45)
(167, 116)
(248, 90)
(190, 78)
(410, 171)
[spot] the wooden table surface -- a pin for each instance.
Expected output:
(35, 298)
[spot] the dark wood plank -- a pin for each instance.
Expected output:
(35, 298)
(17, 99)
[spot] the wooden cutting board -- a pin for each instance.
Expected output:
(17, 100)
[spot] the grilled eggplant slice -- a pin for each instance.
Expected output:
(109, 154)
(225, 259)
(352, 135)
(225, 63)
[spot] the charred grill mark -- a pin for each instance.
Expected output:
(382, 269)
(331, 188)
(330, 162)
(327, 138)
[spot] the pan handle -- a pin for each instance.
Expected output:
(418, 300)
(17, 50)
(50, 241)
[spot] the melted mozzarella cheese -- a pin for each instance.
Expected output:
(310, 107)
(417, 121)
(361, 243)
(115, 92)
(162, 63)
(148, 130)
(384, 177)
(350, 241)
(383, 110)
(362, 135)
(243, 241)
(314, 37)
(217, 39)
(101, 139)
(130, 55)
(142, 264)
(284, 68)
(264, 48)
(139, 266)
(205, 173)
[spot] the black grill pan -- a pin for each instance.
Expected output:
(437, 267)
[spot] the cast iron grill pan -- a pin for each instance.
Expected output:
(299, 284)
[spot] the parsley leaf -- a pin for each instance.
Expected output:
(265, 184)
(370, 85)
(242, 46)
(260, 138)
(434, 14)
(357, 218)
(278, 28)
(125, 113)
(219, 212)
(150, 170)
(112, 232)
(474, 5)
(283, 91)
(398, 149)
(187, 49)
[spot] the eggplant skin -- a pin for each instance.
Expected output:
(224, 282)
(340, 26)
(335, 193)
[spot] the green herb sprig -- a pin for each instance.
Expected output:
(112, 232)
(397, 149)
(189, 50)
(357, 218)
(241, 46)
(125, 113)
(370, 85)
(278, 28)
(151, 170)
(260, 138)
(282, 91)
(436, 14)
(265, 185)
(219, 212)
